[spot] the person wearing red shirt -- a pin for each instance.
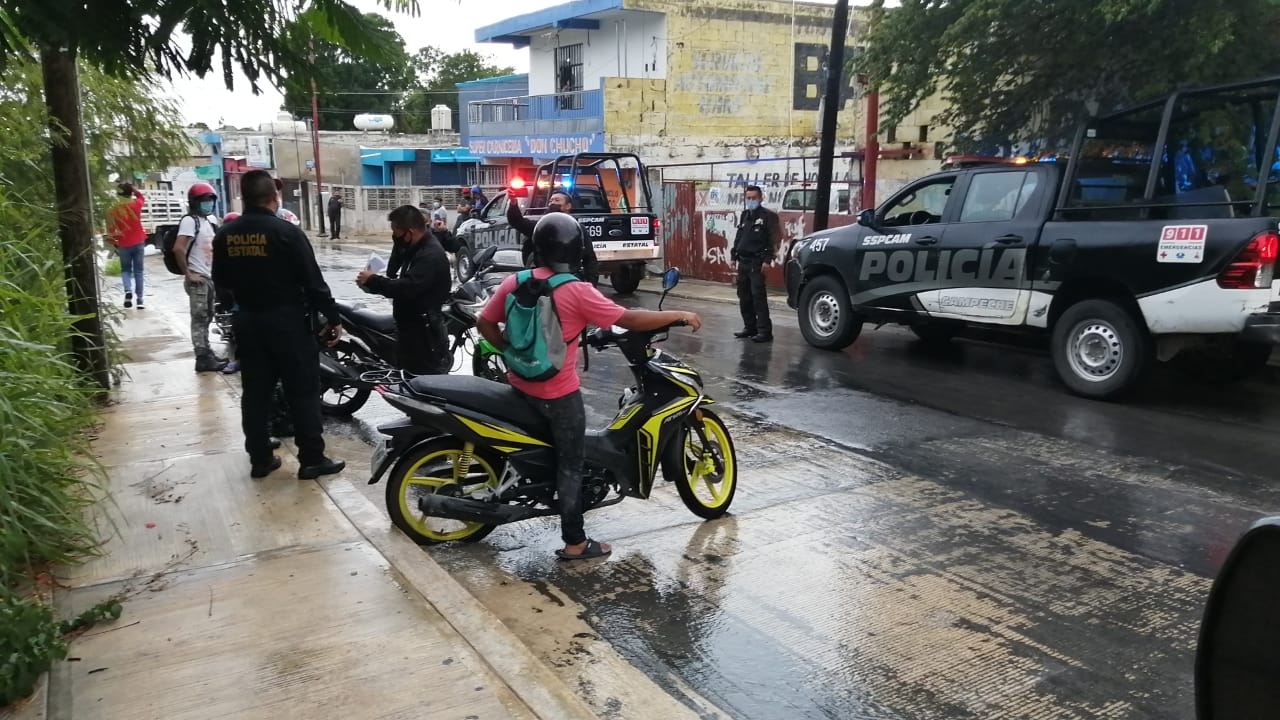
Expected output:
(126, 235)
(558, 246)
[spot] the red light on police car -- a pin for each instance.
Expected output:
(517, 183)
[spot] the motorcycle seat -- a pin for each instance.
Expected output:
(495, 399)
(378, 322)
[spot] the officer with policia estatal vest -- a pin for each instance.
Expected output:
(269, 266)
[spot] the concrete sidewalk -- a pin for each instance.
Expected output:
(707, 291)
(273, 598)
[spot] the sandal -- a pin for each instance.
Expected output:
(593, 550)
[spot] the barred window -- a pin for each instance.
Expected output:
(387, 198)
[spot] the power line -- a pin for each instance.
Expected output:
(356, 111)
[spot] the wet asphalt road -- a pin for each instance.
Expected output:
(918, 533)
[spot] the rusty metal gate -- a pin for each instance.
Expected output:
(699, 241)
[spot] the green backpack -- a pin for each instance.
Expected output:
(536, 346)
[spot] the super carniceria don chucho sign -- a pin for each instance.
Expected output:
(536, 145)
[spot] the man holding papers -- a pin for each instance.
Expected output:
(417, 295)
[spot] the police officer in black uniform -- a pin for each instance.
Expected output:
(558, 202)
(417, 295)
(268, 264)
(439, 228)
(759, 232)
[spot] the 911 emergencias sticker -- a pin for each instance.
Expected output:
(1182, 243)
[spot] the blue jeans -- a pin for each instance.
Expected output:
(131, 267)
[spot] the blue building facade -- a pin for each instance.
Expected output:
(489, 89)
(415, 166)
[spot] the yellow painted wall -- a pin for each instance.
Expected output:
(629, 102)
(740, 69)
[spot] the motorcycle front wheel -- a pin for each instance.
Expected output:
(489, 365)
(343, 400)
(441, 466)
(704, 466)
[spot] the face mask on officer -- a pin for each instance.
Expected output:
(557, 203)
(408, 236)
(206, 207)
(753, 203)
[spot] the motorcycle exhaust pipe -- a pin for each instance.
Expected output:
(468, 510)
(333, 372)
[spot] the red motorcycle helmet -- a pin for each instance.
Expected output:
(200, 190)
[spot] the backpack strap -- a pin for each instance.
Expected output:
(559, 279)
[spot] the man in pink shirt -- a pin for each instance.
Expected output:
(126, 234)
(558, 243)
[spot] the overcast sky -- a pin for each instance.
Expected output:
(446, 24)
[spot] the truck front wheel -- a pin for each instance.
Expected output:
(1100, 349)
(827, 318)
(626, 278)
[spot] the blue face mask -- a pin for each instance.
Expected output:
(206, 207)
(753, 204)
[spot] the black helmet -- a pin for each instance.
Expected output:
(557, 242)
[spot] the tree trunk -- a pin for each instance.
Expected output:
(75, 228)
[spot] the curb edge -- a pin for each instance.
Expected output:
(535, 684)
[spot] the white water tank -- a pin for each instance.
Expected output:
(365, 121)
(284, 124)
(441, 118)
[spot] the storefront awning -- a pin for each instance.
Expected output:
(453, 155)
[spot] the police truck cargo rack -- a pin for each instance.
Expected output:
(1147, 242)
(611, 201)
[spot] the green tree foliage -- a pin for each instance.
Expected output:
(126, 38)
(438, 74)
(43, 403)
(1028, 71)
(46, 478)
(347, 83)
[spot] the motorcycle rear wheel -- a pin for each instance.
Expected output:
(344, 400)
(691, 466)
(432, 468)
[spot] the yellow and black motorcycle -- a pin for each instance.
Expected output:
(472, 454)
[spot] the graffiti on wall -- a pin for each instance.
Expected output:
(809, 81)
(722, 79)
(699, 240)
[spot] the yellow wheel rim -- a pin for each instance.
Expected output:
(432, 482)
(700, 465)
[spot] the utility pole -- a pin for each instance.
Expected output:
(75, 215)
(830, 112)
(315, 138)
(872, 153)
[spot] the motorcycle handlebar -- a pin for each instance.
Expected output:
(601, 338)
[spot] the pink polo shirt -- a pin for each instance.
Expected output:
(578, 304)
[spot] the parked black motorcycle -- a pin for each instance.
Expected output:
(474, 454)
(365, 358)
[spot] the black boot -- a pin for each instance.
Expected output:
(257, 471)
(210, 363)
(326, 466)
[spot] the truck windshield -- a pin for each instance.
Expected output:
(1210, 166)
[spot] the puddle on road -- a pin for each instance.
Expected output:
(843, 588)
